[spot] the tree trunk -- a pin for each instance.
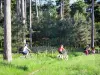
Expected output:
(30, 27)
(0, 8)
(23, 11)
(62, 9)
(19, 39)
(23, 20)
(92, 27)
(7, 31)
(18, 10)
(25, 15)
(37, 12)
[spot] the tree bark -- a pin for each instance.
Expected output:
(92, 27)
(23, 20)
(23, 11)
(18, 9)
(30, 26)
(7, 31)
(0, 8)
(37, 12)
(62, 9)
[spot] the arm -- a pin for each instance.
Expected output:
(63, 48)
(28, 49)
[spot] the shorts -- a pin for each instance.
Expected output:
(24, 53)
(62, 52)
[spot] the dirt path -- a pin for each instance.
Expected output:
(34, 72)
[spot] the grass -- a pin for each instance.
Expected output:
(48, 64)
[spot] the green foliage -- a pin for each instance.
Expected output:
(70, 32)
(79, 6)
(96, 9)
(88, 1)
(1, 33)
(42, 49)
(97, 25)
(1, 37)
(13, 5)
(66, 8)
(49, 29)
(97, 13)
(81, 30)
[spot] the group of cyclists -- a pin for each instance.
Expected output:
(61, 50)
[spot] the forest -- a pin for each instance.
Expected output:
(49, 37)
(50, 24)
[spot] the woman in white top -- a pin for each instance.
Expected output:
(26, 50)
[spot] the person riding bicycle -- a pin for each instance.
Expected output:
(61, 49)
(26, 50)
(62, 52)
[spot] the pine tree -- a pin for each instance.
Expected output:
(7, 31)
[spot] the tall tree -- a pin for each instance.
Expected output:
(81, 29)
(7, 31)
(37, 11)
(91, 4)
(0, 8)
(18, 2)
(23, 19)
(19, 26)
(92, 27)
(23, 11)
(30, 24)
(0, 5)
(25, 8)
(79, 6)
(62, 9)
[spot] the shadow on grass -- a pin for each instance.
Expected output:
(53, 57)
(10, 65)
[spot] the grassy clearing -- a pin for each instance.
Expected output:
(81, 65)
(48, 64)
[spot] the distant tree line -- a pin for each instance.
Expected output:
(51, 25)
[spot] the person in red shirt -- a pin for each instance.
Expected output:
(62, 53)
(61, 49)
(87, 50)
